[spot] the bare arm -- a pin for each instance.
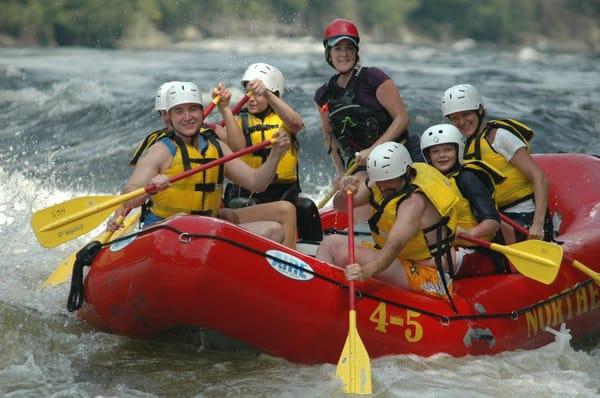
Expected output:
(234, 135)
(358, 188)
(408, 221)
(291, 118)
(155, 161)
(524, 162)
(486, 228)
(330, 143)
(388, 95)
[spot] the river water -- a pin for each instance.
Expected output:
(70, 119)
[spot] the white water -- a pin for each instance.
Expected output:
(71, 118)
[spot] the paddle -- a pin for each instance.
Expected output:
(568, 259)
(237, 107)
(535, 259)
(65, 221)
(62, 272)
(354, 366)
(211, 106)
(333, 190)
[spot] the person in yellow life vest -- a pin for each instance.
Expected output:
(160, 105)
(185, 147)
(266, 114)
(474, 180)
(503, 144)
(413, 223)
(475, 183)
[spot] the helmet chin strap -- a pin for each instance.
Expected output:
(480, 115)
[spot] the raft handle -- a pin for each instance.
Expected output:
(185, 237)
(445, 321)
(514, 315)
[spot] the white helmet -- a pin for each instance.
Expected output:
(160, 103)
(271, 77)
(462, 97)
(388, 160)
(442, 134)
(183, 93)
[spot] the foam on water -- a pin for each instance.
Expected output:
(70, 119)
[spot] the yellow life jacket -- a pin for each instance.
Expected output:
(150, 140)
(465, 218)
(199, 193)
(257, 130)
(517, 187)
(438, 190)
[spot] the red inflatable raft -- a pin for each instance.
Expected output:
(201, 272)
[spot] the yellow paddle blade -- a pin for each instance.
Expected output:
(354, 366)
(63, 271)
(536, 259)
(43, 220)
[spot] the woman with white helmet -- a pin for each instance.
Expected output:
(185, 147)
(360, 107)
(160, 105)
(503, 144)
(413, 223)
(474, 180)
(266, 114)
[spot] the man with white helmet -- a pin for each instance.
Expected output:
(187, 146)
(503, 144)
(266, 114)
(413, 222)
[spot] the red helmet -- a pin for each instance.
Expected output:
(339, 28)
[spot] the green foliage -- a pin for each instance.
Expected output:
(103, 22)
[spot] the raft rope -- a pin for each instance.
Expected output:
(86, 256)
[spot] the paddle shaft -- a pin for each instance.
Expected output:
(569, 260)
(151, 188)
(333, 190)
(507, 250)
(236, 109)
(211, 106)
(351, 253)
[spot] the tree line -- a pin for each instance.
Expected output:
(103, 23)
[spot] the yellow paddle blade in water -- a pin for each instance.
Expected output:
(354, 366)
(536, 259)
(63, 271)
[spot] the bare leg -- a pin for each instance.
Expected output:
(334, 250)
(508, 233)
(267, 229)
(282, 212)
(228, 215)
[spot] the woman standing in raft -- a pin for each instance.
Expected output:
(360, 107)
(503, 144)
